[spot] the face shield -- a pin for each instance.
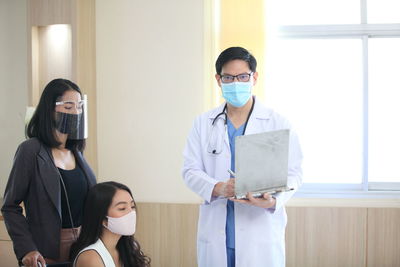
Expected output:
(73, 119)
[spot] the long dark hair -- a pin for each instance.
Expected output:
(42, 124)
(97, 203)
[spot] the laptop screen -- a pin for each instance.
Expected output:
(261, 162)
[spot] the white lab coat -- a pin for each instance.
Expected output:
(259, 233)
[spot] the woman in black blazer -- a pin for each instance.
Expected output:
(51, 177)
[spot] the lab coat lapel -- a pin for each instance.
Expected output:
(251, 125)
(258, 115)
(50, 176)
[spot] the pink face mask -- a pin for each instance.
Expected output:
(125, 225)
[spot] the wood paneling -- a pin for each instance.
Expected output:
(84, 67)
(7, 256)
(179, 235)
(167, 233)
(383, 237)
(3, 231)
(326, 237)
(315, 236)
(47, 12)
(148, 230)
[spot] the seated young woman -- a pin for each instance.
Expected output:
(108, 227)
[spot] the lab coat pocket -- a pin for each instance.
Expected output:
(211, 221)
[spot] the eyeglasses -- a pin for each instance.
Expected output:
(244, 77)
(71, 104)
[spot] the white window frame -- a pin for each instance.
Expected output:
(364, 32)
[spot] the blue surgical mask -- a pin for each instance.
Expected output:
(237, 93)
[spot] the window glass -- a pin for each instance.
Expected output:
(383, 11)
(295, 12)
(317, 85)
(384, 110)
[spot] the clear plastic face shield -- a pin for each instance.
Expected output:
(71, 118)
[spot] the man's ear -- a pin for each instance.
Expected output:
(255, 77)
(218, 78)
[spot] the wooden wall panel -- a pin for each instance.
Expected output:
(178, 236)
(326, 237)
(167, 233)
(46, 12)
(7, 256)
(383, 237)
(316, 236)
(3, 231)
(148, 230)
(84, 67)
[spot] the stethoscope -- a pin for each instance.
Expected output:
(215, 142)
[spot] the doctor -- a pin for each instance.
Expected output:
(231, 232)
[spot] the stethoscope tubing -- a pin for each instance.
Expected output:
(224, 112)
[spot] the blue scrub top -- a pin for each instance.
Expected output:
(230, 215)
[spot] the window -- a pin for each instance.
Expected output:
(332, 68)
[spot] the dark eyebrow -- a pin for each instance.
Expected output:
(226, 74)
(123, 202)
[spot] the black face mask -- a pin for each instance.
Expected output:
(70, 124)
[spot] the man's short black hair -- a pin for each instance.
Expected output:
(233, 53)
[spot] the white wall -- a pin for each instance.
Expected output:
(150, 88)
(13, 82)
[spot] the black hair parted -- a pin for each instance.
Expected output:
(233, 53)
(97, 203)
(42, 123)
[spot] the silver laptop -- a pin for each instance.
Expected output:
(261, 163)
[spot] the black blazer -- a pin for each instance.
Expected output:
(35, 181)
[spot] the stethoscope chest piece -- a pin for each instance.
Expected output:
(216, 137)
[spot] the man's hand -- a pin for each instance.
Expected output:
(266, 202)
(32, 258)
(224, 189)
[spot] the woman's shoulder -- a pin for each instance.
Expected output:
(96, 253)
(31, 144)
(89, 258)
(29, 147)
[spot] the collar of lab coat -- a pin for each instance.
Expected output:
(259, 111)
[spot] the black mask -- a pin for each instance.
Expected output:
(70, 124)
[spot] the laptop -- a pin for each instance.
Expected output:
(261, 163)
